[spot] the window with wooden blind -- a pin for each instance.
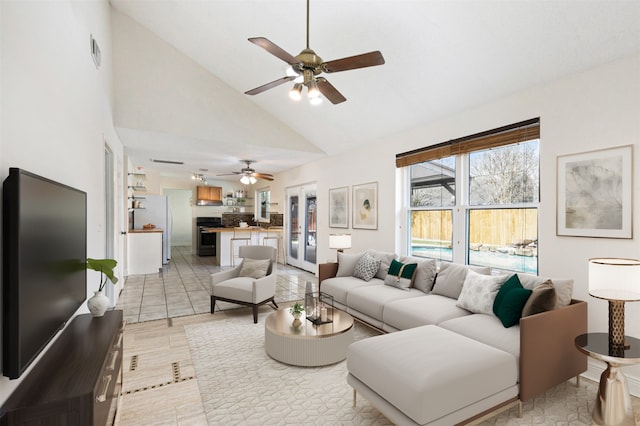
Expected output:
(483, 189)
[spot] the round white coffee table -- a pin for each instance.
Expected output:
(308, 345)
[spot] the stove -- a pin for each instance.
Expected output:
(207, 240)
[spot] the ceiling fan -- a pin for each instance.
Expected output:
(248, 174)
(307, 66)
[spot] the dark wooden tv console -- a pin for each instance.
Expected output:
(77, 381)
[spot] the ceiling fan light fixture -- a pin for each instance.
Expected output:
(244, 180)
(296, 92)
(315, 101)
(252, 180)
(312, 89)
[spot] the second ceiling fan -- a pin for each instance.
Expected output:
(307, 66)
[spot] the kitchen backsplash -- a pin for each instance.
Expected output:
(230, 220)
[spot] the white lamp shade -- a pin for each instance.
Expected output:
(339, 241)
(614, 279)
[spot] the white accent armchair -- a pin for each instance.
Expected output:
(229, 286)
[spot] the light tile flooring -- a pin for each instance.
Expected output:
(159, 384)
(182, 288)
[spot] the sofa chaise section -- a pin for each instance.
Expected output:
(428, 376)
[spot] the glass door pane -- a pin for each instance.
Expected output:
(311, 228)
(294, 231)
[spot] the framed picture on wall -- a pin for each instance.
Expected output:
(365, 206)
(339, 207)
(595, 193)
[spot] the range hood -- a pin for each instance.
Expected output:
(208, 202)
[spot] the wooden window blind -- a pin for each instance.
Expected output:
(506, 135)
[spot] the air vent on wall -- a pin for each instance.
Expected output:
(166, 161)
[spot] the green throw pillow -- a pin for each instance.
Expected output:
(400, 274)
(510, 300)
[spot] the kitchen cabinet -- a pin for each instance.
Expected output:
(144, 251)
(209, 196)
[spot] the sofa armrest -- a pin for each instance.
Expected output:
(264, 288)
(326, 270)
(219, 277)
(548, 355)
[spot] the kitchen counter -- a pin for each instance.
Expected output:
(247, 229)
(256, 235)
(144, 231)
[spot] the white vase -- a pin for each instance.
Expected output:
(98, 304)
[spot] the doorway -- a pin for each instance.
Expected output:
(301, 226)
(182, 227)
(110, 217)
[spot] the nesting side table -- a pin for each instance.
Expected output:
(613, 404)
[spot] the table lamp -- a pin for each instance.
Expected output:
(617, 281)
(340, 241)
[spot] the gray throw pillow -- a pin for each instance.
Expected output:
(366, 268)
(563, 286)
(385, 261)
(347, 263)
(425, 272)
(449, 280)
(542, 299)
(255, 268)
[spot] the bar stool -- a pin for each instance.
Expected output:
(275, 235)
(244, 236)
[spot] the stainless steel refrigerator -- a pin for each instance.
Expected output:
(157, 211)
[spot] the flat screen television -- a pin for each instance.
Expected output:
(44, 264)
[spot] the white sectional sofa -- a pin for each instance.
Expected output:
(447, 357)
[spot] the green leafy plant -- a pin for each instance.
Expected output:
(105, 267)
(297, 308)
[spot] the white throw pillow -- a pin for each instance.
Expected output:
(347, 264)
(479, 292)
(254, 268)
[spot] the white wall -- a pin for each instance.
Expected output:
(596, 109)
(56, 106)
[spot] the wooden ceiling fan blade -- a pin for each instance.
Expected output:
(275, 50)
(229, 174)
(329, 91)
(353, 62)
(268, 86)
(263, 176)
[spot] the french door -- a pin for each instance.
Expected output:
(301, 226)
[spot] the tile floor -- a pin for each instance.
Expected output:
(182, 288)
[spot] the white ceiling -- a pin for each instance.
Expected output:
(441, 57)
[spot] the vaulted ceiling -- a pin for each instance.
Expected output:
(181, 68)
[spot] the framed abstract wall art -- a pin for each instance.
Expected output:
(365, 206)
(595, 193)
(339, 207)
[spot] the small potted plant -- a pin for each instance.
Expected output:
(296, 310)
(99, 303)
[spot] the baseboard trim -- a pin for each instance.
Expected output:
(595, 369)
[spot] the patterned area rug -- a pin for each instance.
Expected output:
(241, 385)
